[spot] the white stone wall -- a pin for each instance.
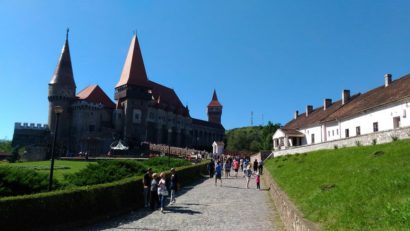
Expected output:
(316, 130)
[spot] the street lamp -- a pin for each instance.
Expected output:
(57, 110)
(169, 146)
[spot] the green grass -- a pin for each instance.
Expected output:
(358, 188)
(61, 167)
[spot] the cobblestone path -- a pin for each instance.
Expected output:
(205, 206)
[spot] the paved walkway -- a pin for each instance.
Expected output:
(206, 207)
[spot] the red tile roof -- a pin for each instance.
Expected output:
(397, 90)
(167, 99)
(133, 72)
(63, 73)
(214, 102)
(95, 94)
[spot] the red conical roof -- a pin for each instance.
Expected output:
(95, 94)
(133, 72)
(214, 102)
(63, 74)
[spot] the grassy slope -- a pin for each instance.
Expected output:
(62, 167)
(371, 192)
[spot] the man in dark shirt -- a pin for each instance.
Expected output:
(174, 185)
(147, 183)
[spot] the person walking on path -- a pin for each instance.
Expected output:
(241, 164)
(255, 165)
(162, 190)
(211, 168)
(248, 174)
(218, 171)
(147, 183)
(227, 168)
(173, 185)
(260, 165)
(154, 200)
(236, 167)
(258, 181)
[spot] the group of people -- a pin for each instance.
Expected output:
(236, 163)
(156, 188)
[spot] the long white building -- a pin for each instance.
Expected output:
(380, 109)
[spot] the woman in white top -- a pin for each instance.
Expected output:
(162, 190)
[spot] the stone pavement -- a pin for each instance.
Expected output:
(203, 206)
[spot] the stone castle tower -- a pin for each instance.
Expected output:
(214, 110)
(61, 92)
(133, 95)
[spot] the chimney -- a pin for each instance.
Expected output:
(296, 115)
(345, 96)
(387, 80)
(309, 109)
(327, 103)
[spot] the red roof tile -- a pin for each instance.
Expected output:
(133, 72)
(167, 98)
(214, 102)
(95, 94)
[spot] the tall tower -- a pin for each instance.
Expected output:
(214, 110)
(61, 92)
(133, 95)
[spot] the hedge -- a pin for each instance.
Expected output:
(80, 205)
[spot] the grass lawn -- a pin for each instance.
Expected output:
(358, 188)
(61, 167)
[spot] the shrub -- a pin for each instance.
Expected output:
(105, 171)
(18, 181)
(335, 146)
(358, 143)
(82, 204)
(374, 141)
(394, 138)
(160, 164)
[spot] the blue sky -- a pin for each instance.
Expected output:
(269, 57)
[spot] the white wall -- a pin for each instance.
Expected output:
(383, 116)
(317, 130)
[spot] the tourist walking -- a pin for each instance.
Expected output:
(162, 190)
(260, 165)
(258, 180)
(241, 164)
(236, 167)
(211, 168)
(255, 165)
(218, 171)
(173, 185)
(154, 200)
(248, 174)
(227, 168)
(147, 183)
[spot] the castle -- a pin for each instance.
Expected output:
(144, 111)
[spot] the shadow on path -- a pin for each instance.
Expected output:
(116, 221)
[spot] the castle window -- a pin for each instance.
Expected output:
(347, 133)
(358, 131)
(333, 132)
(136, 117)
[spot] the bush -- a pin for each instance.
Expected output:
(160, 164)
(105, 171)
(80, 205)
(374, 141)
(18, 181)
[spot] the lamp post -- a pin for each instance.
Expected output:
(169, 146)
(57, 110)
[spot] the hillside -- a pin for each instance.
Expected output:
(253, 138)
(359, 188)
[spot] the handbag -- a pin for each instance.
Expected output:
(164, 192)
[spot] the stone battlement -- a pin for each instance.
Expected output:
(34, 126)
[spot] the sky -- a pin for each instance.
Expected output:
(267, 57)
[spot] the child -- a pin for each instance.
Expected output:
(258, 181)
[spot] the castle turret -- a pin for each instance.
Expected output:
(133, 95)
(214, 110)
(61, 92)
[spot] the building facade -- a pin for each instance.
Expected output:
(380, 109)
(143, 111)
